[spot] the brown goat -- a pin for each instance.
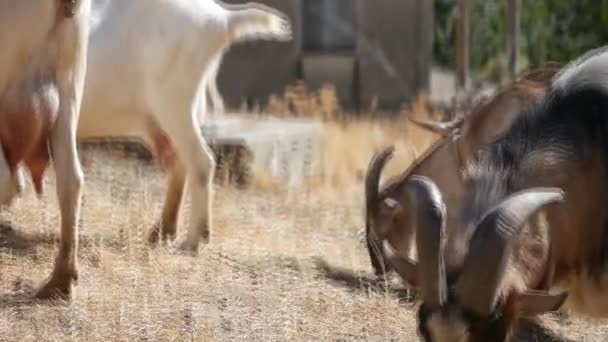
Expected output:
(533, 231)
(389, 212)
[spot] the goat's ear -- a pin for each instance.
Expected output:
(390, 206)
(535, 303)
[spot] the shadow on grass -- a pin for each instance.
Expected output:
(14, 300)
(365, 282)
(528, 330)
(17, 300)
(23, 295)
(18, 242)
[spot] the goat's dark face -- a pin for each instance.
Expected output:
(452, 323)
(389, 219)
(478, 303)
(388, 215)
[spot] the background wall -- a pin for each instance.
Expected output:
(369, 49)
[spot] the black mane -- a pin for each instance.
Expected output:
(568, 126)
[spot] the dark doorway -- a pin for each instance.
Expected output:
(329, 26)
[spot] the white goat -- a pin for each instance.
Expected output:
(43, 51)
(148, 64)
(216, 103)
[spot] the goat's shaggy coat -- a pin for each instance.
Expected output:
(533, 219)
(443, 163)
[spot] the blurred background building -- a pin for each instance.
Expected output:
(382, 53)
(374, 52)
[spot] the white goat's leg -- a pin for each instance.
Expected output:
(62, 142)
(167, 227)
(200, 167)
(69, 183)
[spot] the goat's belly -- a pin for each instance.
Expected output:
(587, 295)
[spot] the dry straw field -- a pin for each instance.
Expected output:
(256, 281)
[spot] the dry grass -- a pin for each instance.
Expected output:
(350, 140)
(254, 282)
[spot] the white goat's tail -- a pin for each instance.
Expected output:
(588, 71)
(256, 21)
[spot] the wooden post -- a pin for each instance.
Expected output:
(512, 36)
(462, 46)
(462, 56)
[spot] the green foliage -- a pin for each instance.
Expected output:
(551, 30)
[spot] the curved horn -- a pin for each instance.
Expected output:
(491, 244)
(375, 256)
(430, 237)
(372, 184)
(372, 178)
(441, 128)
(405, 267)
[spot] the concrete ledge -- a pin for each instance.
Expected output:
(289, 150)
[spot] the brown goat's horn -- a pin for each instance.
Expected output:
(372, 185)
(430, 238)
(372, 178)
(405, 267)
(490, 246)
(441, 128)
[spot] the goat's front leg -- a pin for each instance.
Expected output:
(69, 184)
(71, 71)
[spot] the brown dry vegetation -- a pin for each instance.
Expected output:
(256, 281)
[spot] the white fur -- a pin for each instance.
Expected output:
(591, 69)
(247, 26)
(150, 62)
(36, 40)
(216, 105)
